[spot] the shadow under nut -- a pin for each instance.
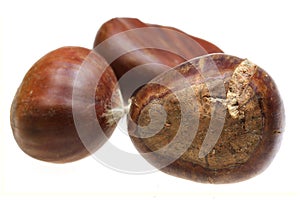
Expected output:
(252, 129)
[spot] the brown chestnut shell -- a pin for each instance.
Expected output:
(251, 131)
(41, 113)
(128, 43)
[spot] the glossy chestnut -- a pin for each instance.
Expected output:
(42, 110)
(146, 50)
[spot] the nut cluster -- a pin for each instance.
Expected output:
(222, 118)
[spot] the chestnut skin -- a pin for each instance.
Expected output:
(41, 113)
(159, 47)
(144, 56)
(253, 120)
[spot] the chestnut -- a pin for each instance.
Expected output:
(145, 50)
(42, 110)
(214, 119)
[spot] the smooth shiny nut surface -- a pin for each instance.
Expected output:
(41, 113)
(145, 50)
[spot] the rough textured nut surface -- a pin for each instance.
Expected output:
(41, 113)
(253, 120)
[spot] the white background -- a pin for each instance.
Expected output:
(266, 32)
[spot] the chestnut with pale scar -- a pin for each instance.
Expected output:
(251, 127)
